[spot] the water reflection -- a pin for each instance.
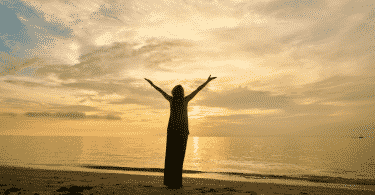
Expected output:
(43, 150)
(344, 157)
(132, 151)
(196, 154)
(205, 153)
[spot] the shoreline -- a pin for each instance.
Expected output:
(309, 178)
(57, 181)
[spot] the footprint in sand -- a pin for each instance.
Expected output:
(13, 189)
(74, 189)
(205, 190)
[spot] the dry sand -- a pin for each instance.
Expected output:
(17, 180)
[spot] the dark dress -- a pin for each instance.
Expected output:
(177, 135)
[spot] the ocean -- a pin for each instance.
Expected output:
(345, 160)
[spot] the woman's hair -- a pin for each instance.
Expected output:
(178, 91)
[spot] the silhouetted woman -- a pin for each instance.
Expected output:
(177, 133)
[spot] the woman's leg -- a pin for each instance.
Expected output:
(168, 163)
(174, 160)
(181, 148)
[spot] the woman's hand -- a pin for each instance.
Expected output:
(168, 97)
(191, 96)
(211, 78)
(149, 81)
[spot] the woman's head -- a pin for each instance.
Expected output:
(178, 91)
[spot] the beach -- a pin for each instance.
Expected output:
(22, 180)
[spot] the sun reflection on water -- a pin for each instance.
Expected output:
(196, 157)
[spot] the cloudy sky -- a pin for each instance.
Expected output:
(282, 66)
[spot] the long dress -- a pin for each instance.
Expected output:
(177, 135)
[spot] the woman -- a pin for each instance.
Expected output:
(177, 133)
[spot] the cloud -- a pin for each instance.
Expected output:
(26, 28)
(258, 40)
(343, 88)
(9, 64)
(333, 96)
(128, 101)
(328, 97)
(69, 115)
(98, 86)
(110, 13)
(125, 87)
(16, 103)
(23, 105)
(105, 23)
(234, 118)
(104, 91)
(341, 126)
(23, 80)
(335, 36)
(243, 98)
(14, 32)
(72, 108)
(296, 9)
(112, 92)
(311, 110)
(300, 58)
(115, 59)
(8, 114)
(24, 83)
(154, 103)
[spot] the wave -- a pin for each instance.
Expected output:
(310, 178)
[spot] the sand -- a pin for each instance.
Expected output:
(20, 180)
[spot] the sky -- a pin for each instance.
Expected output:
(282, 66)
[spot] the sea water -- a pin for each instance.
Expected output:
(251, 157)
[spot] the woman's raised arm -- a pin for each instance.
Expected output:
(191, 96)
(168, 97)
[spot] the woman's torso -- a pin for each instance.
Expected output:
(178, 120)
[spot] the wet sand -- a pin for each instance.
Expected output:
(18, 180)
